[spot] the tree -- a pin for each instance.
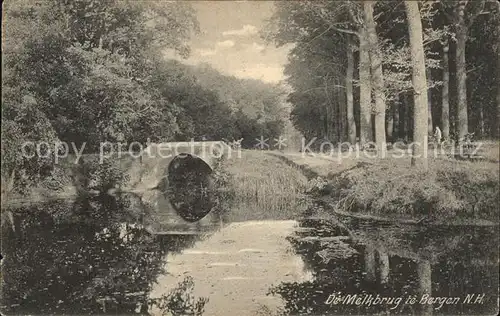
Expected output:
(463, 123)
(365, 89)
(351, 122)
(429, 100)
(419, 81)
(241, 102)
(316, 69)
(321, 31)
(376, 75)
(497, 129)
(445, 103)
(464, 14)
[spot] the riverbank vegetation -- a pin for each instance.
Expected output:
(264, 187)
(448, 190)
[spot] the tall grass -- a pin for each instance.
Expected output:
(264, 187)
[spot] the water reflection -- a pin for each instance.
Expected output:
(439, 266)
(89, 256)
(94, 256)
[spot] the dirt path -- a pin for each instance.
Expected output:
(313, 165)
(236, 266)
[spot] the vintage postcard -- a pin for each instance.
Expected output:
(250, 158)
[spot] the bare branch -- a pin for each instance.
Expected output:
(475, 68)
(332, 25)
(345, 31)
(319, 35)
(319, 88)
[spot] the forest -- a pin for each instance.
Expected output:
(351, 67)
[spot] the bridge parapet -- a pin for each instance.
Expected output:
(207, 151)
(151, 166)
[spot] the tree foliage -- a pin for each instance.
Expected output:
(320, 32)
(87, 72)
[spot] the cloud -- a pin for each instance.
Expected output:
(206, 52)
(225, 44)
(246, 30)
(258, 47)
(267, 73)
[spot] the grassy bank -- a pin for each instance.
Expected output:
(447, 191)
(265, 187)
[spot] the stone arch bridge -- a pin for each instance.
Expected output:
(174, 180)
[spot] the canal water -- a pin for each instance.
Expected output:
(93, 255)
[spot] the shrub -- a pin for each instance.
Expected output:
(223, 191)
(103, 176)
(180, 301)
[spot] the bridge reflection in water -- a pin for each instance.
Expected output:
(184, 194)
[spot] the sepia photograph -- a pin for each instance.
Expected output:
(250, 158)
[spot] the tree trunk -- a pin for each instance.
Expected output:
(411, 120)
(390, 124)
(395, 115)
(408, 117)
(365, 90)
(461, 72)
(429, 102)
(328, 127)
(343, 112)
(351, 123)
(497, 129)
(427, 24)
(497, 123)
(403, 116)
(481, 120)
(337, 119)
(376, 75)
(420, 106)
(340, 99)
(445, 116)
(8, 185)
(424, 271)
(370, 264)
(383, 266)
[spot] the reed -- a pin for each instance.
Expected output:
(264, 187)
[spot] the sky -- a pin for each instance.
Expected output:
(230, 41)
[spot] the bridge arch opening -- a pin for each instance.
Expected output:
(190, 187)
